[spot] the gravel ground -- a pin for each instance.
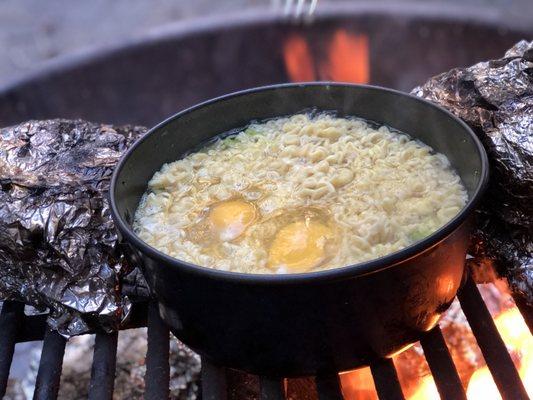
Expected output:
(32, 31)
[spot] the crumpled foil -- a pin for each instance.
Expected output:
(496, 99)
(58, 245)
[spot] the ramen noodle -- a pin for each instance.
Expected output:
(298, 194)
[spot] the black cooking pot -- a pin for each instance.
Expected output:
(318, 322)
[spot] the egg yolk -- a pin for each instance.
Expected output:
(229, 219)
(299, 246)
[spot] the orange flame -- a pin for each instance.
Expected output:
(482, 386)
(358, 385)
(348, 58)
(516, 335)
(298, 59)
(426, 390)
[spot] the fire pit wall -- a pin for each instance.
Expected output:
(147, 80)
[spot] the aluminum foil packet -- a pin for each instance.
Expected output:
(59, 249)
(496, 99)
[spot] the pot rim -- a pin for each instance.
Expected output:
(352, 271)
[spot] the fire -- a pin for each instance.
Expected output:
(298, 59)
(516, 335)
(514, 330)
(482, 386)
(426, 390)
(358, 385)
(413, 371)
(345, 58)
(348, 59)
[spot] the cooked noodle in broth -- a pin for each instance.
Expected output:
(299, 194)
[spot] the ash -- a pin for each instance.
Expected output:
(129, 382)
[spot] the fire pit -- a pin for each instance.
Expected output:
(145, 81)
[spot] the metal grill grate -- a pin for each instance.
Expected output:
(16, 327)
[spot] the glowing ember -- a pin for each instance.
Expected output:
(298, 59)
(413, 371)
(482, 386)
(519, 341)
(348, 59)
(514, 331)
(358, 385)
(427, 390)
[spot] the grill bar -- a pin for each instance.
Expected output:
(10, 320)
(49, 374)
(104, 365)
(32, 328)
(271, 389)
(442, 366)
(329, 387)
(16, 327)
(157, 366)
(386, 380)
(214, 385)
(491, 344)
